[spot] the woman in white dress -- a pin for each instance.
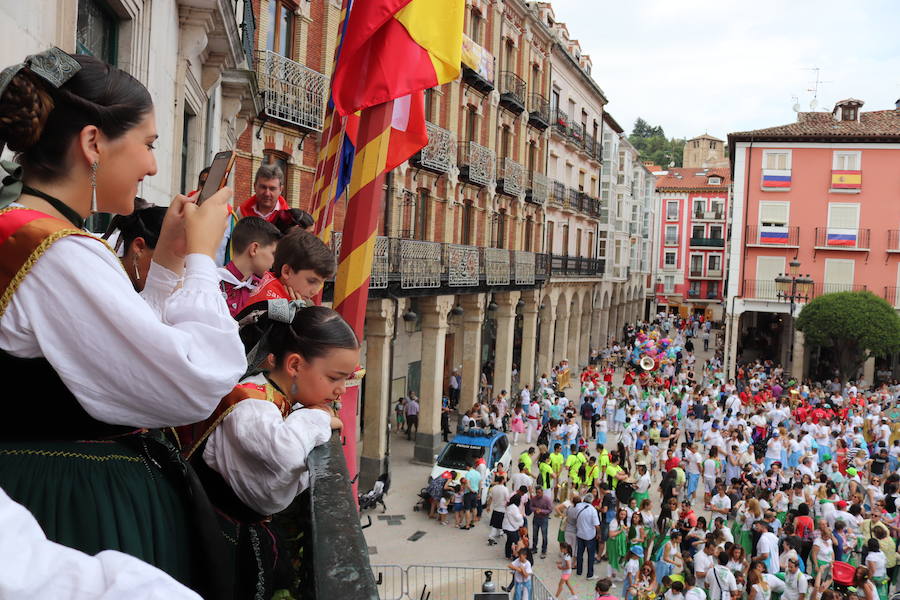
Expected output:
(93, 360)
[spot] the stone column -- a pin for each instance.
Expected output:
(800, 357)
(575, 360)
(869, 370)
(434, 331)
(585, 344)
(529, 338)
(379, 329)
(548, 339)
(561, 337)
(733, 332)
(503, 349)
(603, 325)
(473, 321)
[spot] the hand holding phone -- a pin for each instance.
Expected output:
(218, 175)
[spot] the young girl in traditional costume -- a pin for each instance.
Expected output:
(95, 360)
(251, 452)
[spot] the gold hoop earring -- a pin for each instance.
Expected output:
(94, 168)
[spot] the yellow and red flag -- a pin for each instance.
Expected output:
(393, 48)
(846, 180)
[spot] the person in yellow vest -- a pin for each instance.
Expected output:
(573, 463)
(525, 459)
(602, 460)
(557, 460)
(592, 472)
(614, 473)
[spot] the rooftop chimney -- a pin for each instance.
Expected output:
(897, 104)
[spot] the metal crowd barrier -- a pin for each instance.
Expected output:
(418, 582)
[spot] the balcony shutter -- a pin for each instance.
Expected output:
(773, 213)
(769, 267)
(843, 216)
(838, 271)
(776, 160)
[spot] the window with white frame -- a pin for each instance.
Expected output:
(767, 269)
(712, 290)
(671, 235)
(671, 210)
(698, 231)
(838, 275)
(694, 288)
(718, 207)
(846, 161)
(777, 160)
(715, 232)
(669, 258)
(696, 265)
(699, 207)
(843, 215)
(715, 262)
(669, 284)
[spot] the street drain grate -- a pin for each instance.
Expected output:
(373, 550)
(416, 536)
(395, 523)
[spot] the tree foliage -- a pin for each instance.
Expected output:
(856, 325)
(653, 145)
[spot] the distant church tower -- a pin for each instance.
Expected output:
(704, 152)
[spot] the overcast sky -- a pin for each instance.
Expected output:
(696, 66)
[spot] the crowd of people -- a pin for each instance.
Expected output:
(683, 483)
(171, 382)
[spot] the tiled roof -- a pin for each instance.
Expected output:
(688, 179)
(819, 125)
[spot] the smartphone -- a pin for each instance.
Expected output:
(218, 175)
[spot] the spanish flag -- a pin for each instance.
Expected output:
(846, 180)
(393, 48)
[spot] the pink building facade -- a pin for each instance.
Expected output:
(693, 229)
(825, 191)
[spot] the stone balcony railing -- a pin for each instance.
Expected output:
(440, 153)
(476, 163)
(510, 177)
(538, 190)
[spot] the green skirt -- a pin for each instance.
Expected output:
(95, 496)
(616, 548)
(746, 541)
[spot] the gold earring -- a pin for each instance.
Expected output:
(94, 168)
(137, 274)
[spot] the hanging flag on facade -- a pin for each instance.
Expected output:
(840, 237)
(776, 178)
(846, 180)
(773, 234)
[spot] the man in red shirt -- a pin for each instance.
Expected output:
(266, 200)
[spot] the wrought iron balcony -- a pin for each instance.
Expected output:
(476, 163)
(705, 242)
(767, 289)
(510, 177)
(561, 123)
(512, 92)
(774, 236)
(496, 266)
(538, 112)
(438, 155)
(891, 295)
(822, 288)
(538, 188)
(572, 199)
(576, 135)
(576, 266)
(839, 238)
(893, 240)
(558, 193)
(291, 92)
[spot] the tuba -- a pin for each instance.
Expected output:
(647, 363)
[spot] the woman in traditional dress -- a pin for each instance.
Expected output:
(95, 360)
(617, 543)
(251, 453)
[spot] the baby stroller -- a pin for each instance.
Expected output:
(842, 575)
(375, 496)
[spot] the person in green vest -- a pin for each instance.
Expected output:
(602, 460)
(557, 460)
(592, 472)
(614, 473)
(573, 464)
(526, 459)
(546, 475)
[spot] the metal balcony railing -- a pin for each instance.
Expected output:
(292, 92)
(538, 190)
(891, 295)
(820, 289)
(709, 215)
(438, 155)
(771, 235)
(561, 123)
(705, 242)
(893, 240)
(538, 111)
(714, 272)
(557, 193)
(576, 134)
(576, 266)
(510, 177)
(572, 199)
(496, 266)
(476, 163)
(838, 238)
(512, 92)
(767, 290)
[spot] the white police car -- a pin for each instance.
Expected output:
(465, 448)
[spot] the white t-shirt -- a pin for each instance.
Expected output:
(826, 550)
(693, 463)
(795, 585)
(524, 564)
(878, 560)
(721, 582)
(709, 468)
(703, 563)
(499, 498)
(720, 501)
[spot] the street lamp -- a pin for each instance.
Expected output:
(793, 288)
